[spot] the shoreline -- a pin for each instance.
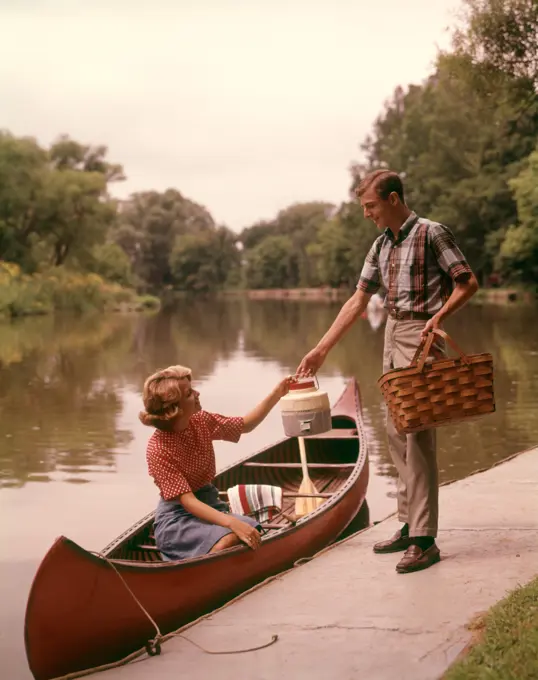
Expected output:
(484, 295)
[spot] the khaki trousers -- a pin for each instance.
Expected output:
(414, 455)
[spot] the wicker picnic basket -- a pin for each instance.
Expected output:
(429, 393)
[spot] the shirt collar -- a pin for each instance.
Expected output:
(404, 229)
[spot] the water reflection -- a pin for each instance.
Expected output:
(63, 381)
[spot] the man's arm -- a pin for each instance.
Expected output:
(349, 313)
(465, 287)
(452, 261)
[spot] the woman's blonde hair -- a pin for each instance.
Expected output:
(162, 395)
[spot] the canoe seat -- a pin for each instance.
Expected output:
(152, 548)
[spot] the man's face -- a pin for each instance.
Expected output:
(375, 208)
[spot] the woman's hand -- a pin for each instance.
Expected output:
(246, 533)
(283, 386)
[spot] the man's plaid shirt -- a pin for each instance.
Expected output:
(416, 271)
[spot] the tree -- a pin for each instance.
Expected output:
(149, 226)
(111, 262)
(501, 35)
(202, 263)
(518, 256)
(272, 264)
(22, 174)
(300, 224)
(67, 154)
(73, 215)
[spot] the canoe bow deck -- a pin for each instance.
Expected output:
(80, 615)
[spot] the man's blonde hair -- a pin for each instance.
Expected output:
(162, 395)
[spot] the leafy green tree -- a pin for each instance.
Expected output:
(150, 223)
(22, 174)
(55, 204)
(67, 154)
(518, 256)
(501, 35)
(272, 264)
(300, 224)
(74, 217)
(111, 262)
(203, 263)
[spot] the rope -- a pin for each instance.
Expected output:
(234, 651)
(153, 647)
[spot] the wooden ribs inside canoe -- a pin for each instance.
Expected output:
(80, 614)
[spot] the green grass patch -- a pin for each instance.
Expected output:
(507, 641)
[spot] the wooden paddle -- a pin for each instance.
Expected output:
(305, 505)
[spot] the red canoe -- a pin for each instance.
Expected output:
(80, 615)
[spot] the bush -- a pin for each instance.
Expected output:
(65, 290)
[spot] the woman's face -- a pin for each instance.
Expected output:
(190, 401)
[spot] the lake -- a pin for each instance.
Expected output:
(72, 450)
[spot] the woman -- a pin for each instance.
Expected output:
(191, 519)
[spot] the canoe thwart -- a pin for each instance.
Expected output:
(338, 433)
(298, 465)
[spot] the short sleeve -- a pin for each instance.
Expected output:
(222, 427)
(168, 477)
(370, 279)
(449, 257)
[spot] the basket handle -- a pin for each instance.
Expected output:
(426, 345)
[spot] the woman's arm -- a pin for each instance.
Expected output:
(242, 530)
(260, 412)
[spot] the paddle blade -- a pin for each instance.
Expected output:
(305, 505)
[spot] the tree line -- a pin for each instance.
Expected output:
(465, 140)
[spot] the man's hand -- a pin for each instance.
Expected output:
(311, 362)
(434, 322)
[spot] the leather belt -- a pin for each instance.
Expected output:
(401, 315)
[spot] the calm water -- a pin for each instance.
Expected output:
(72, 449)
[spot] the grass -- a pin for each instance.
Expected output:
(60, 289)
(506, 641)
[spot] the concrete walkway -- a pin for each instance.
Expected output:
(348, 615)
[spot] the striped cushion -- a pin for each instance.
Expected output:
(261, 501)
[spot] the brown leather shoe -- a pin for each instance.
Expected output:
(394, 544)
(416, 559)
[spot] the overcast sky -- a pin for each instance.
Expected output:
(245, 106)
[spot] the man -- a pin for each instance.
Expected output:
(425, 278)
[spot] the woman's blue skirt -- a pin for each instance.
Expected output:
(180, 535)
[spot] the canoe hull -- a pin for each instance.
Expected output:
(96, 620)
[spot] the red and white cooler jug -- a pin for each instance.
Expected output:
(305, 409)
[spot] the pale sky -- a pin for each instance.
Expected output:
(245, 106)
